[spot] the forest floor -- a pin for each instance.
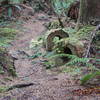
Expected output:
(47, 84)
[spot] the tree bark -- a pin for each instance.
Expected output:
(89, 11)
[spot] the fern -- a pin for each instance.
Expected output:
(62, 55)
(6, 35)
(76, 61)
(89, 76)
(61, 6)
(36, 46)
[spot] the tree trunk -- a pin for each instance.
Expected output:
(89, 12)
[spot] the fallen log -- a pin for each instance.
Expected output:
(19, 86)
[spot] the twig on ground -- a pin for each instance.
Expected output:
(19, 86)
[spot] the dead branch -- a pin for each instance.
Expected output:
(92, 34)
(20, 86)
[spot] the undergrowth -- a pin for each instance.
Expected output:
(61, 7)
(90, 76)
(6, 36)
(6, 62)
(58, 53)
(84, 32)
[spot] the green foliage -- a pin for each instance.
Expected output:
(76, 61)
(54, 25)
(72, 42)
(61, 6)
(12, 71)
(36, 46)
(49, 64)
(6, 35)
(70, 30)
(72, 70)
(89, 76)
(84, 32)
(36, 43)
(56, 39)
(36, 55)
(7, 32)
(2, 89)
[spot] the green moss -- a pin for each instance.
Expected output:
(6, 35)
(7, 32)
(12, 71)
(6, 61)
(67, 41)
(70, 30)
(2, 89)
(85, 31)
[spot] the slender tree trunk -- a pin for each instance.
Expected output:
(89, 11)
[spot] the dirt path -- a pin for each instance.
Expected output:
(47, 85)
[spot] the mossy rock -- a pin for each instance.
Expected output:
(6, 62)
(60, 33)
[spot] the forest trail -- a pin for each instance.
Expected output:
(46, 85)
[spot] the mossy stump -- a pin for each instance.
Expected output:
(51, 35)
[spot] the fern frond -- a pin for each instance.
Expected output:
(63, 55)
(89, 76)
